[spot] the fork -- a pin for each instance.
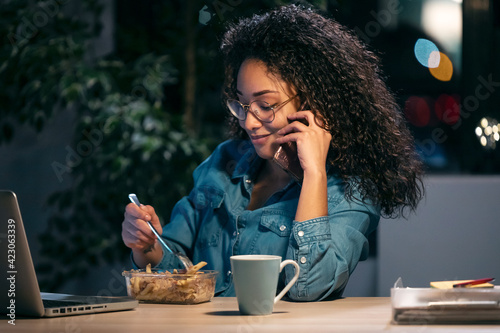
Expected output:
(186, 262)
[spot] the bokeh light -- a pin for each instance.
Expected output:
(427, 53)
(444, 71)
(447, 109)
(417, 111)
(442, 21)
(487, 133)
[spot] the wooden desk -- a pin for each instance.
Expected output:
(358, 314)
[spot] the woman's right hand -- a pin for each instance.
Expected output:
(137, 235)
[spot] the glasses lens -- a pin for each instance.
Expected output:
(236, 109)
(262, 110)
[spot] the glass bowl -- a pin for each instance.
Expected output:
(172, 288)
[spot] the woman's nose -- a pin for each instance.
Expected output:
(252, 122)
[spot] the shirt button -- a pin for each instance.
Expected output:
(303, 260)
(300, 233)
(282, 227)
(228, 273)
(248, 181)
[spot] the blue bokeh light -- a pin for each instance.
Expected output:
(427, 53)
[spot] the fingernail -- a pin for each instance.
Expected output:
(148, 217)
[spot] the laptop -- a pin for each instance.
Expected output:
(19, 290)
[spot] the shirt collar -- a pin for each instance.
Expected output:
(249, 162)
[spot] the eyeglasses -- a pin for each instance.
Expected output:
(260, 109)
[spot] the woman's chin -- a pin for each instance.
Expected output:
(265, 153)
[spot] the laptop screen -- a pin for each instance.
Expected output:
(20, 291)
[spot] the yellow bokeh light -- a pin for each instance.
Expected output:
(444, 71)
(488, 133)
(484, 122)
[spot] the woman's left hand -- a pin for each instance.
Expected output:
(312, 140)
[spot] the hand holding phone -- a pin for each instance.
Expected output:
(287, 158)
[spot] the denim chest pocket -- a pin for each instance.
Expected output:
(206, 197)
(207, 201)
(278, 221)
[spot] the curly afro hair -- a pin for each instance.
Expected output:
(340, 80)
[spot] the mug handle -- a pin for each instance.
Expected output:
(290, 284)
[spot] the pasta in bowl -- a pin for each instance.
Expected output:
(154, 286)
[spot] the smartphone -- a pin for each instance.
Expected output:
(287, 158)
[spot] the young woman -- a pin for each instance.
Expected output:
(292, 76)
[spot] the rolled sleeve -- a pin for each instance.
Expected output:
(313, 230)
(328, 249)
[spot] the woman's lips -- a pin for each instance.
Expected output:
(259, 139)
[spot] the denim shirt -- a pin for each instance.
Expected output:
(212, 224)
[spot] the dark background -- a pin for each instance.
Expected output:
(102, 98)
